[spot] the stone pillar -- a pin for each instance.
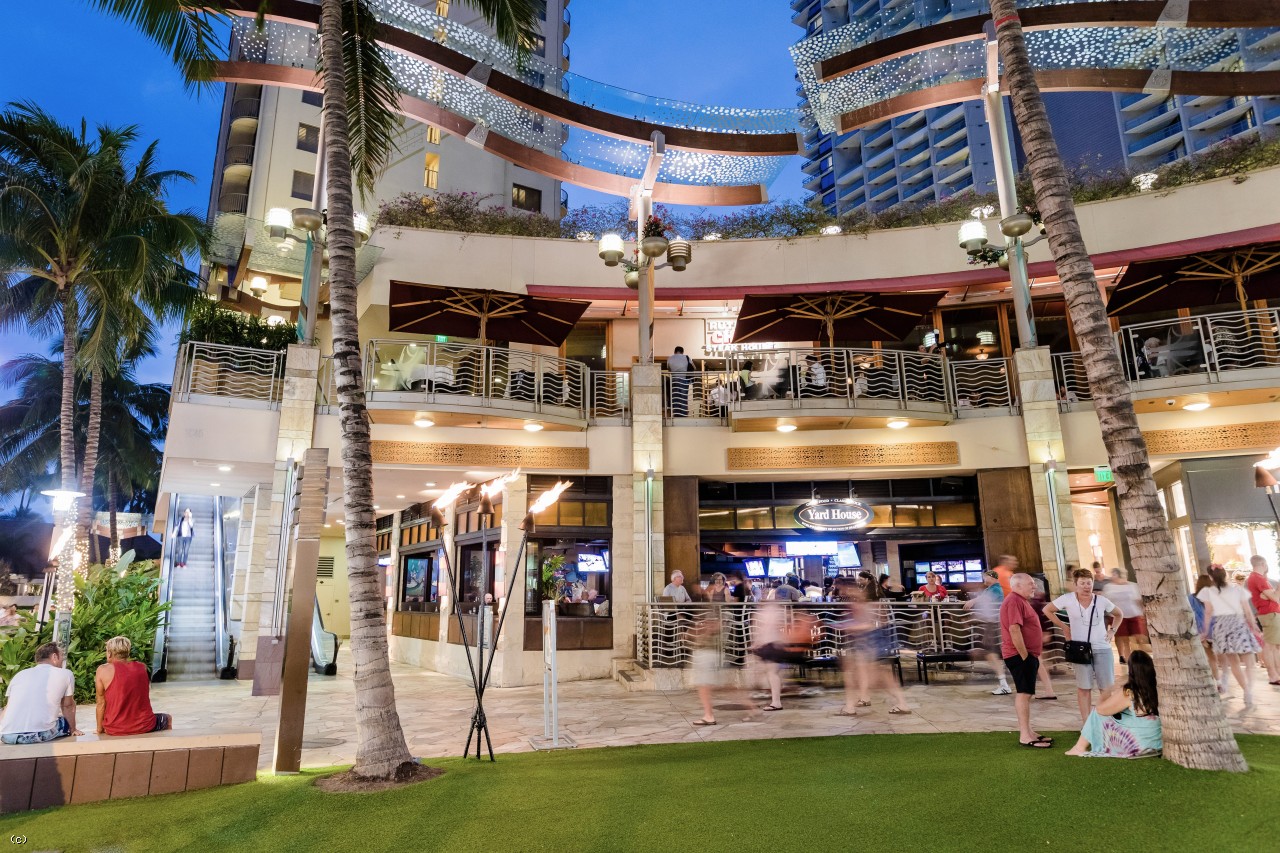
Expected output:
(646, 455)
(508, 665)
(393, 567)
(1042, 424)
(298, 401)
(628, 569)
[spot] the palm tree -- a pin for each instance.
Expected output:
(1196, 730)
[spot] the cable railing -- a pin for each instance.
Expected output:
(217, 370)
(610, 395)
(982, 384)
(470, 374)
(664, 638)
(871, 378)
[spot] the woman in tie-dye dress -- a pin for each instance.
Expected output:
(1127, 725)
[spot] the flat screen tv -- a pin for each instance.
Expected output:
(755, 568)
(780, 567)
(592, 564)
(847, 556)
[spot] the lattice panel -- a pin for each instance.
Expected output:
(481, 455)
(1260, 436)
(845, 456)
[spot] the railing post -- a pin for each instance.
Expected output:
(1209, 346)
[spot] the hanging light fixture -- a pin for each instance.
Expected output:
(258, 284)
(279, 221)
(973, 236)
(363, 232)
(611, 249)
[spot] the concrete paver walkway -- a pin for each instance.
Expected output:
(436, 711)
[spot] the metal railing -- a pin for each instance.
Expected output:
(698, 396)
(467, 374)
(1070, 380)
(327, 386)
(983, 384)
(233, 203)
(1210, 345)
(663, 637)
(239, 155)
(216, 370)
(224, 548)
(610, 394)
(159, 650)
(245, 108)
(874, 378)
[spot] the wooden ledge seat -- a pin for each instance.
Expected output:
(90, 768)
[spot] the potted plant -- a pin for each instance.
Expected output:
(631, 276)
(553, 575)
(655, 242)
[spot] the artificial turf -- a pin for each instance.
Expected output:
(872, 792)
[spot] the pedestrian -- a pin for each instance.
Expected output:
(815, 377)
(868, 641)
(10, 618)
(1233, 628)
(1128, 724)
(985, 606)
(42, 701)
(186, 530)
(1092, 622)
(675, 590)
(679, 365)
(768, 630)
(1266, 603)
(1006, 565)
(123, 690)
(705, 640)
(1204, 630)
(1021, 644)
(1133, 625)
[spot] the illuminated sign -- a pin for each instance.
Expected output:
(834, 514)
(718, 339)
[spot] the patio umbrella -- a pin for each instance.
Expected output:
(848, 315)
(1208, 278)
(486, 315)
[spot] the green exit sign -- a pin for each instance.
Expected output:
(1103, 474)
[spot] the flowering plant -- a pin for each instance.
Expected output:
(553, 577)
(633, 264)
(655, 227)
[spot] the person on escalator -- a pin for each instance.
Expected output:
(124, 694)
(186, 530)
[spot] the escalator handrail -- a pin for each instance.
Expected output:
(220, 647)
(320, 657)
(165, 591)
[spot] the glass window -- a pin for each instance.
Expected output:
(431, 171)
(955, 515)
(970, 332)
(472, 584)
(1179, 499)
(597, 514)
(760, 518)
(433, 135)
(587, 344)
(881, 516)
(539, 46)
(571, 514)
(526, 198)
(420, 582)
(784, 518)
(715, 519)
(303, 182)
(308, 138)
(315, 99)
(913, 515)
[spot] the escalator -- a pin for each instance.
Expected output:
(324, 646)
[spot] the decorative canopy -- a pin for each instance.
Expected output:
(849, 316)
(485, 315)
(1209, 278)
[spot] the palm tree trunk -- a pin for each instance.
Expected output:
(67, 419)
(381, 751)
(1196, 731)
(84, 524)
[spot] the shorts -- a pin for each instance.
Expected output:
(1270, 628)
(164, 722)
(1023, 673)
(1132, 626)
(1100, 674)
(989, 637)
(60, 729)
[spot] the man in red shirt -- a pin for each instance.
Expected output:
(1266, 603)
(1021, 644)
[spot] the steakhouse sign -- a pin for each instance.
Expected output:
(833, 514)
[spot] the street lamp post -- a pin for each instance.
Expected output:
(64, 551)
(1264, 477)
(312, 222)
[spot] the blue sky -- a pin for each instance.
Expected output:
(77, 63)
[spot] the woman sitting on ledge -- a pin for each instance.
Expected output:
(1126, 725)
(124, 694)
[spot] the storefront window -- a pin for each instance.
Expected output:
(881, 516)
(955, 515)
(1232, 544)
(715, 519)
(756, 518)
(972, 332)
(420, 582)
(574, 536)
(571, 514)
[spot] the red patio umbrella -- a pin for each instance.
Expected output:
(848, 315)
(487, 315)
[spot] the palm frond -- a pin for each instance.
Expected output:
(515, 22)
(192, 31)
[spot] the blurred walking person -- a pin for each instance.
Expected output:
(1233, 628)
(704, 637)
(869, 640)
(1133, 625)
(986, 607)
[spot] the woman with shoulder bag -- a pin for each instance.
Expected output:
(1093, 622)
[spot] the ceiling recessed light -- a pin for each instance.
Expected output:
(328, 525)
(429, 485)
(215, 485)
(224, 468)
(422, 422)
(898, 423)
(1196, 407)
(399, 497)
(375, 506)
(786, 427)
(532, 426)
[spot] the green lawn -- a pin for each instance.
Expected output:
(872, 792)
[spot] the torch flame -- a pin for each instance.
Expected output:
(451, 495)
(549, 497)
(493, 488)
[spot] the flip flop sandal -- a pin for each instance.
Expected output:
(771, 708)
(862, 703)
(1047, 698)
(705, 722)
(844, 713)
(1038, 743)
(896, 710)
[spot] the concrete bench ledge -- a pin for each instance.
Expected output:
(90, 768)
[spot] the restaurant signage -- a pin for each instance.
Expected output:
(718, 339)
(833, 514)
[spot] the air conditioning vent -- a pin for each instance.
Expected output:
(324, 568)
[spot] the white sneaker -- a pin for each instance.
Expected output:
(1002, 690)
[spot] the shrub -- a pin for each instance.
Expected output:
(111, 601)
(207, 322)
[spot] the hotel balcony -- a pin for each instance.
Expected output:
(1221, 359)
(216, 374)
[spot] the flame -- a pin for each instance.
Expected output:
(451, 495)
(493, 488)
(549, 497)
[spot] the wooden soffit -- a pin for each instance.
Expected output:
(1172, 442)
(844, 456)
(480, 455)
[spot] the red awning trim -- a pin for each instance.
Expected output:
(959, 278)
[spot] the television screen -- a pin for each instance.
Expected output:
(955, 565)
(973, 566)
(847, 556)
(780, 567)
(755, 568)
(592, 564)
(923, 569)
(955, 577)
(973, 577)
(811, 549)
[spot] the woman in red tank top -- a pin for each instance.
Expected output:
(124, 694)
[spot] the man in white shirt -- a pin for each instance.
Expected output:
(679, 365)
(675, 590)
(1093, 619)
(42, 701)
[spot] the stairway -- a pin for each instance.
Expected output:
(191, 615)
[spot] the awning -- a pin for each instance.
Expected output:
(486, 315)
(1226, 277)
(848, 316)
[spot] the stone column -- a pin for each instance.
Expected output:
(298, 401)
(628, 569)
(508, 665)
(1042, 424)
(646, 455)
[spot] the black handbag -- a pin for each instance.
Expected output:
(1082, 652)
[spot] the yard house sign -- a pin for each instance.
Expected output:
(833, 514)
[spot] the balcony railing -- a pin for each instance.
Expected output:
(610, 395)
(664, 638)
(239, 155)
(245, 108)
(876, 378)
(982, 384)
(1070, 380)
(458, 374)
(697, 396)
(215, 370)
(327, 386)
(233, 203)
